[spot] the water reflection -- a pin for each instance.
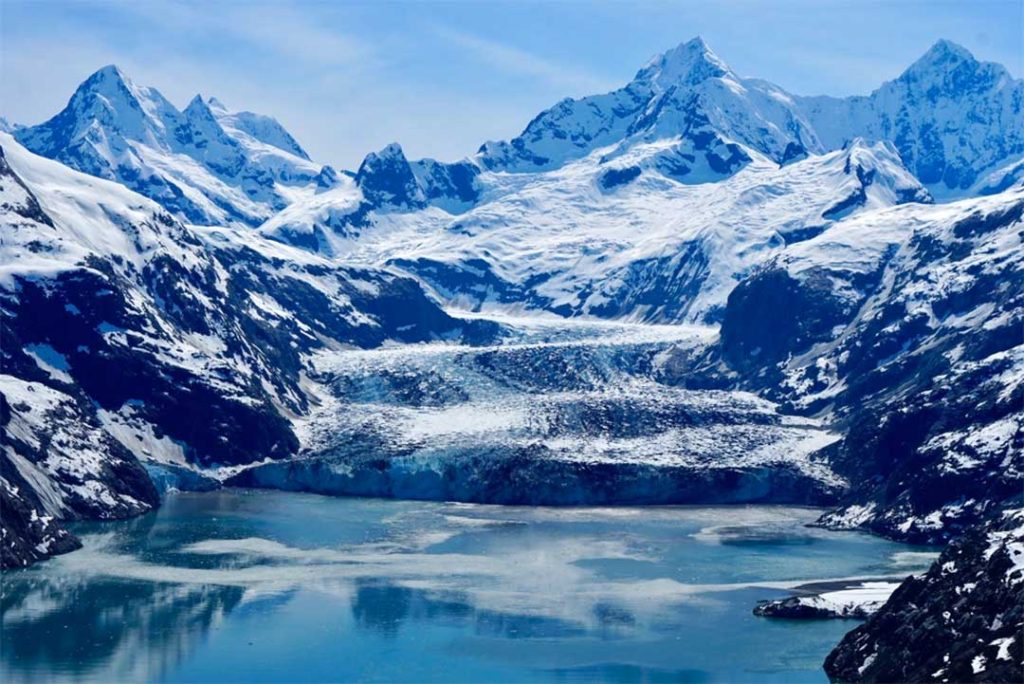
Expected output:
(114, 631)
(419, 591)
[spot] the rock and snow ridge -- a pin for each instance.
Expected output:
(956, 123)
(953, 119)
(590, 211)
(688, 94)
(208, 166)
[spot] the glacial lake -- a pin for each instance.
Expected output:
(264, 586)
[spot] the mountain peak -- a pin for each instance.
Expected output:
(198, 107)
(108, 72)
(107, 99)
(947, 50)
(392, 150)
(216, 105)
(688, 63)
(108, 81)
(942, 57)
(386, 179)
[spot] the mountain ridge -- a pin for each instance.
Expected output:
(187, 160)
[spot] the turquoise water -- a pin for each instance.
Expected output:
(263, 586)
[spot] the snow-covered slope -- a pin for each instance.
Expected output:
(652, 201)
(205, 166)
(609, 240)
(259, 127)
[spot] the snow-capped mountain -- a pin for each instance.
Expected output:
(688, 95)
(906, 325)
(206, 165)
(625, 204)
(952, 118)
(955, 122)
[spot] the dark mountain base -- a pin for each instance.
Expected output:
(963, 621)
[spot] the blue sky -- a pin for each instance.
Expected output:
(442, 77)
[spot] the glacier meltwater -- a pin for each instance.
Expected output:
(243, 585)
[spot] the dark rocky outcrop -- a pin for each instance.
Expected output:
(963, 621)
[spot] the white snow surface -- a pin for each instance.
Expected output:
(581, 240)
(865, 598)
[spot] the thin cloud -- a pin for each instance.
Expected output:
(519, 62)
(277, 28)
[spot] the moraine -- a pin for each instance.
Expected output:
(238, 585)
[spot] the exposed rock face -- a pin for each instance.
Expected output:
(58, 464)
(963, 621)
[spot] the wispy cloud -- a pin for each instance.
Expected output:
(522, 63)
(267, 26)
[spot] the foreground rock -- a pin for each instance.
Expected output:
(58, 464)
(963, 621)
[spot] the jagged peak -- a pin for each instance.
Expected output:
(390, 157)
(109, 99)
(216, 105)
(860, 143)
(688, 63)
(387, 179)
(109, 81)
(110, 71)
(391, 151)
(198, 107)
(944, 49)
(862, 153)
(945, 56)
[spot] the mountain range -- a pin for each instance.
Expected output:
(698, 288)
